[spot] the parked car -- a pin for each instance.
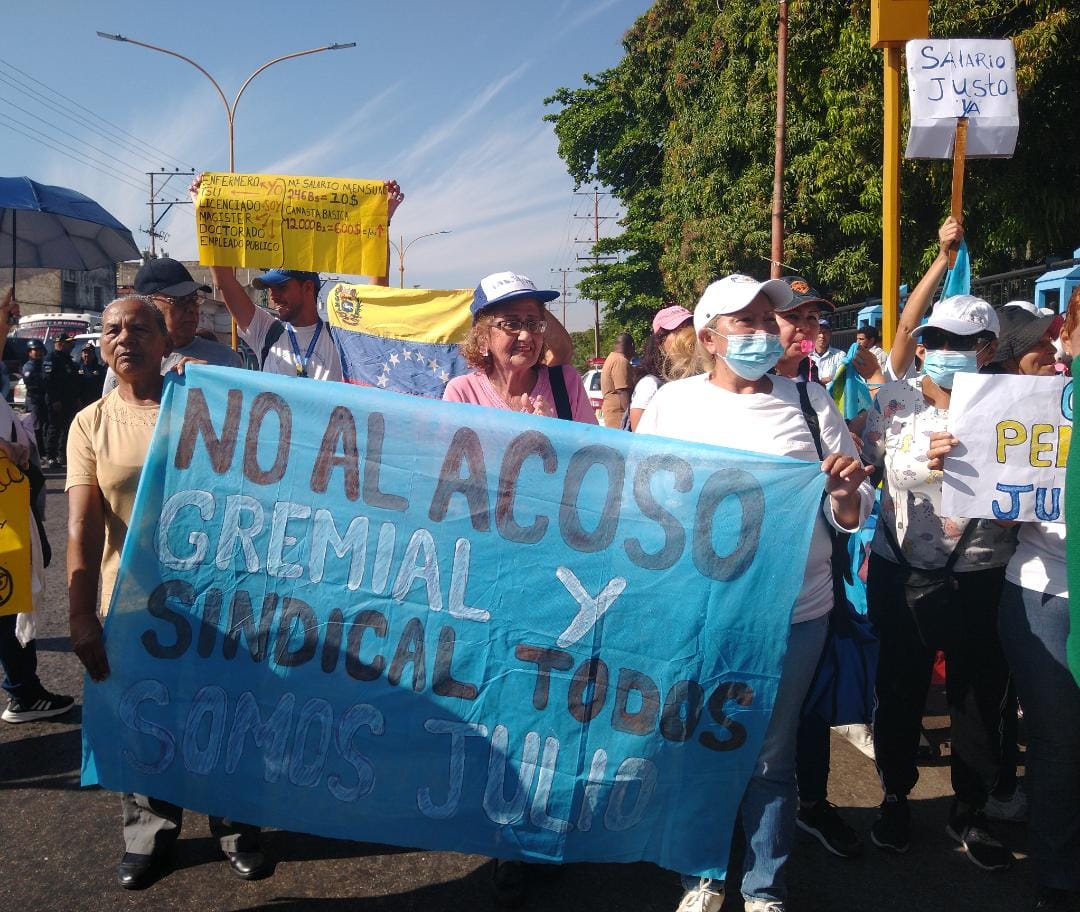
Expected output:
(592, 387)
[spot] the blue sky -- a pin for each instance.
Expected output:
(446, 97)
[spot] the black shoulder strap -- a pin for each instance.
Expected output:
(841, 565)
(961, 542)
(560, 394)
(811, 417)
(272, 335)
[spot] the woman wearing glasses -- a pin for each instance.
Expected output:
(506, 346)
(935, 583)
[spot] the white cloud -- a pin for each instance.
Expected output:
(367, 116)
(444, 131)
(587, 14)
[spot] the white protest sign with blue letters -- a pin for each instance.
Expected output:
(1014, 435)
(973, 78)
(366, 615)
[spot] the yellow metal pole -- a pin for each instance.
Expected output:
(890, 201)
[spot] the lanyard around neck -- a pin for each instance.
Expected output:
(302, 363)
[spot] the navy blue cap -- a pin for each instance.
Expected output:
(503, 287)
(275, 278)
(166, 276)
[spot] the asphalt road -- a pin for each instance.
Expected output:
(59, 843)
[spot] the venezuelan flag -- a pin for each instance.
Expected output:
(401, 339)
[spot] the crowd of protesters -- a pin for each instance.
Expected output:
(747, 368)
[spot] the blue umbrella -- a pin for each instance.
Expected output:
(57, 228)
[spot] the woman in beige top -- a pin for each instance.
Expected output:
(107, 447)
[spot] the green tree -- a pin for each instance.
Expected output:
(681, 132)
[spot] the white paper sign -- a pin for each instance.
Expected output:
(1014, 435)
(962, 77)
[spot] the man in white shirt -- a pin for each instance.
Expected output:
(827, 358)
(869, 337)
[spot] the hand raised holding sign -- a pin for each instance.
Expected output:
(941, 444)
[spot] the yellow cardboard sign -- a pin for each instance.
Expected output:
(267, 221)
(15, 594)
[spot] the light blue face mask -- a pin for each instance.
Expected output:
(751, 355)
(941, 366)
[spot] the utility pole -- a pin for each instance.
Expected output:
(781, 126)
(154, 202)
(597, 218)
(564, 270)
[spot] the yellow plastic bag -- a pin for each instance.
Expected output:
(15, 594)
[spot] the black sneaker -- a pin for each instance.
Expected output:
(44, 706)
(982, 848)
(892, 830)
(822, 822)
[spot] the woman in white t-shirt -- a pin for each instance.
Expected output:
(1034, 624)
(916, 613)
(668, 355)
(737, 404)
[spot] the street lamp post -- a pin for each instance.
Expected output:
(230, 110)
(402, 248)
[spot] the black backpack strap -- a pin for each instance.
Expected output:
(272, 335)
(560, 393)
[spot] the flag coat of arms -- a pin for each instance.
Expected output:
(401, 339)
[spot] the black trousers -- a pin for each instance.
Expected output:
(977, 682)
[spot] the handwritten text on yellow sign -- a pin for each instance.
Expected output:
(320, 224)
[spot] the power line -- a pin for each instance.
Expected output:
(82, 123)
(89, 145)
(97, 116)
(110, 174)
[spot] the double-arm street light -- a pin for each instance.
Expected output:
(402, 248)
(230, 110)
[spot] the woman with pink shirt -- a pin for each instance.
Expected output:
(506, 346)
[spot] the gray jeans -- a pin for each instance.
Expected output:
(152, 826)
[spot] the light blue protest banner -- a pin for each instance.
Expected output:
(360, 614)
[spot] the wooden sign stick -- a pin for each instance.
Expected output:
(959, 156)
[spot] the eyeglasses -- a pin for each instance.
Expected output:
(187, 302)
(939, 338)
(514, 327)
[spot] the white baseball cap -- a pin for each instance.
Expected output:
(963, 315)
(503, 287)
(734, 292)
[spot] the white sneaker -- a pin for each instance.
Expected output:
(764, 905)
(860, 736)
(1013, 809)
(705, 897)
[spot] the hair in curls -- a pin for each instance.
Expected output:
(475, 347)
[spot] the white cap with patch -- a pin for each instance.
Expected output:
(734, 292)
